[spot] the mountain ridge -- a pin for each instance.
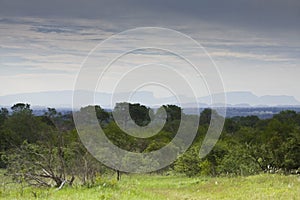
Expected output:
(64, 99)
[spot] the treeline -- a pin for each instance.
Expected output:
(247, 146)
(46, 150)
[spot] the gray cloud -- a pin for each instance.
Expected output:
(257, 13)
(255, 39)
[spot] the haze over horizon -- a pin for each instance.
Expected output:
(63, 99)
(255, 44)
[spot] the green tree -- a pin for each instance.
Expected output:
(4, 143)
(189, 162)
(238, 161)
(3, 115)
(22, 125)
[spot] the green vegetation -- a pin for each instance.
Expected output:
(42, 157)
(139, 187)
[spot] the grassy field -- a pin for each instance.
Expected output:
(168, 187)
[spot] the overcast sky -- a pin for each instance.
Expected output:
(256, 44)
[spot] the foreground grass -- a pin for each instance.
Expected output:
(155, 187)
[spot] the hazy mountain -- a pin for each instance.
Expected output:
(60, 99)
(245, 99)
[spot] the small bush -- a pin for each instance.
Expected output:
(103, 183)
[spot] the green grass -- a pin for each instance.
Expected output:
(156, 187)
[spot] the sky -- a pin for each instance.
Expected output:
(255, 44)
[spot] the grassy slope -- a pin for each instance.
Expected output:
(159, 187)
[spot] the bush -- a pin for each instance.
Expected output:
(103, 182)
(189, 163)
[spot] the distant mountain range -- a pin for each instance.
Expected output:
(63, 99)
(244, 99)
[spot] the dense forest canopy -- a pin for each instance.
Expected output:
(46, 150)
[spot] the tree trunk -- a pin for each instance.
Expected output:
(118, 175)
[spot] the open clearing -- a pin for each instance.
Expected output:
(154, 187)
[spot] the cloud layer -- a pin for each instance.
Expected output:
(255, 44)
